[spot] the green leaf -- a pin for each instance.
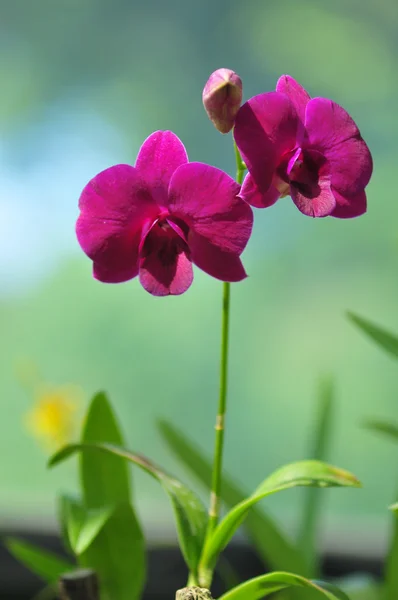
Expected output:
(189, 512)
(117, 554)
(270, 542)
(117, 550)
(93, 523)
(303, 473)
(391, 571)
(82, 525)
(105, 478)
(63, 515)
(75, 514)
(386, 340)
(262, 586)
(384, 427)
(313, 496)
(45, 564)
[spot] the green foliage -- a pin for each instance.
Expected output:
(303, 473)
(105, 532)
(262, 586)
(384, 427)
(313, 496)
(190, 514)
(45, 564)
(385, 339)
(391, 570)
(83, 525)
(270, 542)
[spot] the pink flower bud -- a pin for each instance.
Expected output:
(222, 97)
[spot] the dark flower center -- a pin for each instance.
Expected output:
(165, 242)
(301, 169)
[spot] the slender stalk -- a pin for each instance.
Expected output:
(215, 498)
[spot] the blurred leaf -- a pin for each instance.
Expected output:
(391, 566)
(313, 496)
(97, 471)
(93, 523)
(63, 516)
(190, 514)
(83, 525)
(270, 542)
(384, 427)
(360, 586)
(119, 542)
(45, 564)
(74, 514)
(50, 592)
(262, 586)
(303, 473)
(227, 573)
(386, 340)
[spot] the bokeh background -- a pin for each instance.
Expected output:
(83, 82)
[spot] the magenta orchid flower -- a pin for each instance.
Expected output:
(308, 148)
(157, 218)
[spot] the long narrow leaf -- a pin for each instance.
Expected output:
(189, 512)
(271, 544)
(312, 495)
(43, 563)
(109, 538)
(385, 339)
(303, 473)
(391, 567)
(384, 427)
(262, 586)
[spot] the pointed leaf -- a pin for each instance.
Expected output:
(312, 495)
(384, 427)
(97, 471)
(190, 515)
(270, 542)
(381, 336)
(75, 513)
(262, 586)
(118, 553)
(303, 473)
(119, 543)
(45, 564)
(63, 514)
(94, 521)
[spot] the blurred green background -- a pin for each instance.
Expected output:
(83, 82)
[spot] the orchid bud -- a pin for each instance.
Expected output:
(222, 97)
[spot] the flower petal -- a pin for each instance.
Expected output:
(347, 208)
(218, 263)
(297, 94)
(159, 156)
(165, 263)
(265, 129)
(331, 130)
(114, 207)
(252, 195)
(206, 199)
(316, 200)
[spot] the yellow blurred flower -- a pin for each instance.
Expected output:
(54, 418)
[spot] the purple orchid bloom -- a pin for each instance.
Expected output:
(308, 148)
(157, 218)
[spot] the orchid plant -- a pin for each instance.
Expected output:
(155, 220)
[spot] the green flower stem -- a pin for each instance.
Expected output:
(215, 497)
